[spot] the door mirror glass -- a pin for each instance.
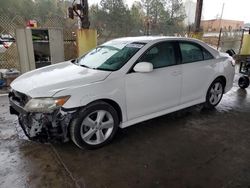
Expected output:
(143, 67)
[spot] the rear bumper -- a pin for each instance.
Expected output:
(230, 74)
(229, 86)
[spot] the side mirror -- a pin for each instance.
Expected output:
(143, 67)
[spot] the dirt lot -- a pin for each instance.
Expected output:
(190, 149)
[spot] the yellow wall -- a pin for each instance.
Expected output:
(245, 50)
(86, 40)
(196, 35)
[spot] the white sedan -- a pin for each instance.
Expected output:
(120, 83)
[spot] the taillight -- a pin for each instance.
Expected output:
(232, 61)
(5, 45)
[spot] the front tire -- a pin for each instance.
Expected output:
(95, 125)
(214, 94)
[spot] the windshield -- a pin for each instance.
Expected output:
(110, 56)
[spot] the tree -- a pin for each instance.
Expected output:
(137, 19)
(117, 20)
(177, 15)
(31, 9)
(98, 19)
(24, 8)
(164, 16)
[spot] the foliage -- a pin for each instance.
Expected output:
(33, 9)
(111, 18)
(137, 19)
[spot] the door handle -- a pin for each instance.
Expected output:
(176, 73)
(212, 65)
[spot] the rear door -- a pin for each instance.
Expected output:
(197, 70)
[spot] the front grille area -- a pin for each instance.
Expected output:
(19, 97)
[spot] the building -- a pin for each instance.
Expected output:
(190, 7)
(215, 25)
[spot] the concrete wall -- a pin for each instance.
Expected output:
(25, 50)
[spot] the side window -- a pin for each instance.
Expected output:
(190, 52)
(161, 55)
(207, 55)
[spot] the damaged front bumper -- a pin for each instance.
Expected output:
(42, 127)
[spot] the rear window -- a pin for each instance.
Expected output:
(192, 52)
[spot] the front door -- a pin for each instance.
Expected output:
(160, 89)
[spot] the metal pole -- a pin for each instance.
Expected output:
(221, 14)
(198, 13)
(84, 14)
(241, 40)
(218, 45)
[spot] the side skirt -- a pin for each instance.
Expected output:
(160, 113)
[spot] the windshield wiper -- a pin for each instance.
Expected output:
(85, 66)
(73, 61)
(76, 61)
(103, 69)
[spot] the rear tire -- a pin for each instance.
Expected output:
(94, 126)
(243, 82)
(214, 94)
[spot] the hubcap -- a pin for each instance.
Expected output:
(215, 93)
(97, 127)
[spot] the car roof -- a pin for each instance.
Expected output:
(152, 39)
(147, 39)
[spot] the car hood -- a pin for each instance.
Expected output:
(47, 81)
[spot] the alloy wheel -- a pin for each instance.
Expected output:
(215, 93)
(97, 127)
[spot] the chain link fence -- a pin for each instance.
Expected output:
(9, 54)
(225, 39)
(8, 48)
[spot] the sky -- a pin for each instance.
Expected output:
(233, 9)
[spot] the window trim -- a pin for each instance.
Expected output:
(176, 51)
(197, 45)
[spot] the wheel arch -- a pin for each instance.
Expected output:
(219, 77)
(207, 103)
(114, 104)
(223, 79)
